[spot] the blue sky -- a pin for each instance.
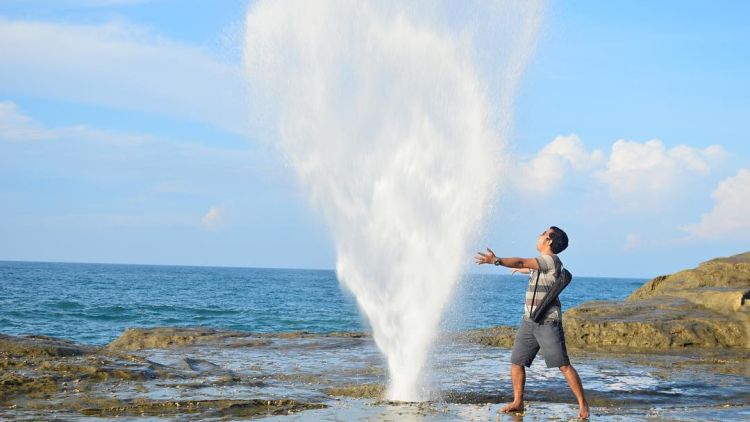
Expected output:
(125, 137)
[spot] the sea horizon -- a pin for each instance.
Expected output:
(269, 268)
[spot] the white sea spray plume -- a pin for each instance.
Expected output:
(394, 116)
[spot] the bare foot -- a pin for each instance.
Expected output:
(512, 407)
(583, 412)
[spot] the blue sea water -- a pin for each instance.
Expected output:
(95, 303)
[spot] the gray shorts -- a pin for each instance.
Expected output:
(547, 337)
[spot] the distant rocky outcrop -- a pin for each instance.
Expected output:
(139, 338)
(708, 306)
(169, 337)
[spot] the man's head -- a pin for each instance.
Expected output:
(553, 239)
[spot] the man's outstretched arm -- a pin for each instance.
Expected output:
(490, 258)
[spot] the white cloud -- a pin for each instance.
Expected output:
(80, 3)
(16, 126)
(636, 175)
(124, 66)
(99, 3)
(649, 171)
(97, 221)
(730, 216)
(135, 161)
(132, 177)
(572, 150)
(171, 186)
(546, 171)
(632, 241)
(214, 218)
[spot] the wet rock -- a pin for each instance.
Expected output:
(240, 343)
(42, 375)
(24, 359)
(36, 367)
(37, 346)
(226, 380)
(473, 397)
(200, 365)
(308, 334)
(12, 384)
(260, 408)
(111, 407)
(349, 334)
(707, 307)
(98, 370)
(370, 391)
(499, 336)
(167, 337)
(300, 378)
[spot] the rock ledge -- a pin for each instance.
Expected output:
(708, 306)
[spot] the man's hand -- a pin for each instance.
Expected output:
(485, 258)
(522, 264)
(520, 271)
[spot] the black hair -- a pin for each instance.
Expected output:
(559, 239)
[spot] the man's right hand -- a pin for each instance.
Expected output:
(485, 258)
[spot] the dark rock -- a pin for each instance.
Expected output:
(110, 407)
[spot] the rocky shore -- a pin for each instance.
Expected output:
(206, 374)
(39, 373)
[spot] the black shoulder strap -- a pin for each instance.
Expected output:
(558, 265)
(562, 279)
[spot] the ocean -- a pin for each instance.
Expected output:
(94, 303)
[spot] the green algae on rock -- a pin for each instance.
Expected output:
(207, 408)
(370, 391)
(706, 307)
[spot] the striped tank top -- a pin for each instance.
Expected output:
(549, 267)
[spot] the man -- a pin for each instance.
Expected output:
(547, 335)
